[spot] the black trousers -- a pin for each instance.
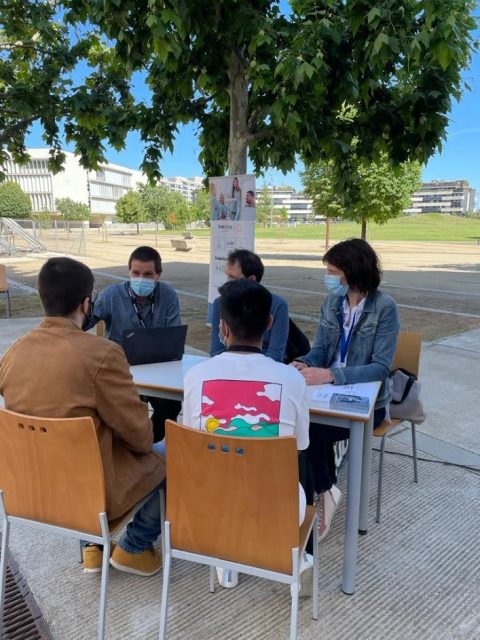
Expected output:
(162, 410)
(317, 463)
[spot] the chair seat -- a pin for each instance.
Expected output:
(386, 426)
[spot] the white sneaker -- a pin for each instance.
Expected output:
(227, 578)
(327, 504)
(305, 578)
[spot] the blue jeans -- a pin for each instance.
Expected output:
(145, 528)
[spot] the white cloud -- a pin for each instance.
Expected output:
(271, 391)
(241, 406)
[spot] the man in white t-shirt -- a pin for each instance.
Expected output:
(242, 392)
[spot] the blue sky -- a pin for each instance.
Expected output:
(459, 158)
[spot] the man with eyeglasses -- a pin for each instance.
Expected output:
(59, 371)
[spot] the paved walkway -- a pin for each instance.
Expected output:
(418, 572)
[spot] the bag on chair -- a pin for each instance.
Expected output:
(405, 402)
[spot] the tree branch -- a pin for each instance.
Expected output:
(8, 132)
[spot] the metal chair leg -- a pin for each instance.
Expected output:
(105, 574)
(380, 478)
(9, 308)
(315, 570)
(294, 589)
(414, 452)
(211, 579)
(166, 582)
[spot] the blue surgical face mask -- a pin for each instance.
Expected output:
(334, 285)
(142, 287)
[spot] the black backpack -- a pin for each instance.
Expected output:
(297, 343)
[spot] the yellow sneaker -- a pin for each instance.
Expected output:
(93, 556)
(146, 563)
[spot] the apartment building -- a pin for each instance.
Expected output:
(99, 189)
(297, 205)
(454, 197)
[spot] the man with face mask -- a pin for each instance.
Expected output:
(59, 371)
(141, 301)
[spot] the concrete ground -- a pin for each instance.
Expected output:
(418, 571)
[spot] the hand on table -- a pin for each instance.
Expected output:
(316, 375)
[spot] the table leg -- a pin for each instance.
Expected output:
(353, 506)
(366, 477)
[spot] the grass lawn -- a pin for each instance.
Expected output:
(424, 227)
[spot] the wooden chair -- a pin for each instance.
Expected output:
(233, 503)
(4, 288)
(407, 356)
(51, 478)
(100, 328)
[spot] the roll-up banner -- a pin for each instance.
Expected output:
(232, 225)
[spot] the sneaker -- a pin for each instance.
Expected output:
(227, 578)
(145, 563)
(306, 570)
(327, 504)
(93, 557)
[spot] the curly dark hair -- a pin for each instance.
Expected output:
(359, 263)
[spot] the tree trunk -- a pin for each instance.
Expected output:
(364, 229)
(327, 233)
(138, 228)
(238, 92)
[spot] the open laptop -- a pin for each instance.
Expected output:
(155, 344)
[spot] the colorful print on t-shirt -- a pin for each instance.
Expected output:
(241, 408)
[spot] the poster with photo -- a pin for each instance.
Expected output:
(232, 224)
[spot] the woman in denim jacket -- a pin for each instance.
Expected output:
(355, 342)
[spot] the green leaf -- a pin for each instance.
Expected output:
(375, 12)
(381, 40)
(442, 51)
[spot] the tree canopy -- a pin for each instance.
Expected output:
(14, 202)
(256, 81)
(72, 210)
(384, 191)
(130, 209)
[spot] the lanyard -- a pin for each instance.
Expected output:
(137, 310)
(345, 342)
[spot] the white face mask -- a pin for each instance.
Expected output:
(221, 337)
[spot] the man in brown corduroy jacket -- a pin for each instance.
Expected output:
(59, 371)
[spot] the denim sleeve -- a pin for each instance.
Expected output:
(380, 359)
(278, 332)
(216, 346)
(318, 354)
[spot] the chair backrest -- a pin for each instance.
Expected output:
(3, 278)
(100, 328)
(407, 355)
(51, 470)
(233, 498)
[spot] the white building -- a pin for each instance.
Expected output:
(100, 189)
(299, 208)
(185, 186)
(455, 197)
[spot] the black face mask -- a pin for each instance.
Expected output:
(88, 316)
